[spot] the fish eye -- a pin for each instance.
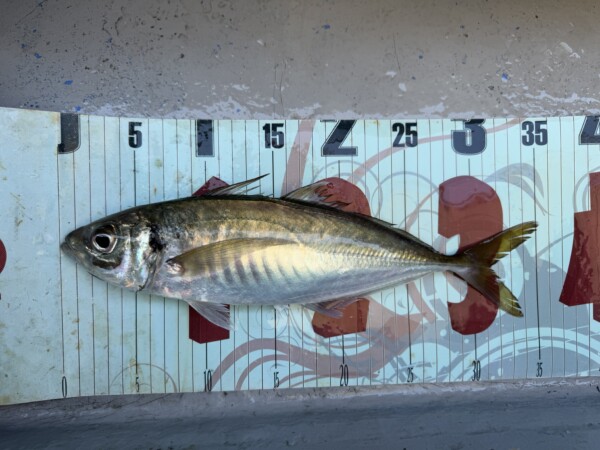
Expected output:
(104, 240)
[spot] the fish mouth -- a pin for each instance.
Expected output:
(68, 248)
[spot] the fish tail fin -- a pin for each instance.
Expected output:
(477, 260)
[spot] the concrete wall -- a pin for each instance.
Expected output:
(301, 59)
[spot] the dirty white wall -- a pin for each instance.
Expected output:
(301, 59)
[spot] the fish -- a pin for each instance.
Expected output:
(230, 246)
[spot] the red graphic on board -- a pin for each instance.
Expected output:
(211, 184)
(2, 256)
(354, 316)
(470, 208)
(353, 320)
(202, 330)
(582, 283)
(391, 340)
(296, 164)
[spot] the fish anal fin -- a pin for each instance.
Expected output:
(353, 320)
(216, 313)
(332, 308)
(218, 255)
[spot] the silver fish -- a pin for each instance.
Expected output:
(252, 250)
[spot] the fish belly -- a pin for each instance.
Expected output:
(293, 274)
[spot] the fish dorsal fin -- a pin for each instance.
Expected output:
(318, 194)
(233, 189)
(381, 222)
(216, 313)
(332, 308)
(315, 194)
(218, 255)
(405, 234)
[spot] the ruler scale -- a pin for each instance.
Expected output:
(500, 360)
(61, 171)
(580, 170)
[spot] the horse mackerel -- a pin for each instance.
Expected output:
(240, 249)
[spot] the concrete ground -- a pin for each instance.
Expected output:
(227, 59)
(548, 414)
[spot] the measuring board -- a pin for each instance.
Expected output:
(448, 182)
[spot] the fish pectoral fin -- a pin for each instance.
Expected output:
(233, 189)
(216, 313)
(332, 308)
(218, 255)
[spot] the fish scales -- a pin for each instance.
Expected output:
(343, 253)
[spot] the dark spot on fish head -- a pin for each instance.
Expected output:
(156, 243)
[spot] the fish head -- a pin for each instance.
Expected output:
(122, 249)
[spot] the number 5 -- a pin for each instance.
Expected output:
(135, 136)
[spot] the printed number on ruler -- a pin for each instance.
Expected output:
(208, 383)
(471, 140)
(590, 132)
(274, 135)
(135, 135)
(2, 259)
(407, 131)
(410, 376)
(476, 370)
(333, 144)
(535, 132)
(345, 374)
